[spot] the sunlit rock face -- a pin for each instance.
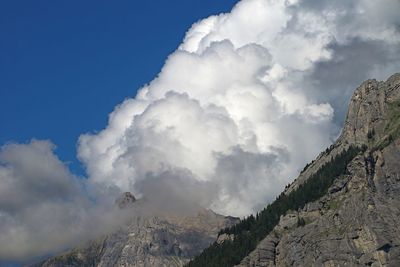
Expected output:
(356, 222)
(149, 238)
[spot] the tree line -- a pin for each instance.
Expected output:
(251, 230)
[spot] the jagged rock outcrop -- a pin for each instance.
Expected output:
(366, 121)
(354, 224)
(125, 200)
(357, 222)
(147, 240)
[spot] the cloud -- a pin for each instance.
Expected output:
(174, 192)
(43, 207)
(239, 172)
(247, 99)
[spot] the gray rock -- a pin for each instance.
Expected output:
(163, 240)
(365, 122)
(357, 222)
(125, 200)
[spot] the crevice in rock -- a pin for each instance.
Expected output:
(386, 248)
(370, 170)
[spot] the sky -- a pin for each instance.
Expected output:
(175, 102)
(64, 66)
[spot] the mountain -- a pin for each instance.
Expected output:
(342, 210)
(167, 239)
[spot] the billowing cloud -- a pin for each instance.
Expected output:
(43, 207)
(204, 106)
(247, 99)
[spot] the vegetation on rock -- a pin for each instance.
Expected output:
(251, 230)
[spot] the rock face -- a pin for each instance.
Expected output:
(368, 115)
(164, 240)
(357, 222)
(125, 200)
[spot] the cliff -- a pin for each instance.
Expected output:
(162, 240)
(356, 222)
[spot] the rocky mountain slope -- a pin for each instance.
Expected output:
(357, 222)
(162, 240)
(342, 210)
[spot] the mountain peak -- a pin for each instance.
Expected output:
(371, 121)
(368, 110)
(354, 219)
(125, 200)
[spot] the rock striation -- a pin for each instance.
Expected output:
(125, 200)
(357, 222)
(147, 240)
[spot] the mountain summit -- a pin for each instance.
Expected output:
(149, 238)
(125, 200)
(343, 209)
(356, 222)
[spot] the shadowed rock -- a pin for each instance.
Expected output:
(125, 200)
(356, 222)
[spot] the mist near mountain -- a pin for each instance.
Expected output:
(247, 99)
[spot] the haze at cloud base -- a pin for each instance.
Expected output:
(247, 99)
(244, 92)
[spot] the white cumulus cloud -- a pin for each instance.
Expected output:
(43, 207)
(246, 100)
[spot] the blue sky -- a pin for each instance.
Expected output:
(65, 65)
(236, 113)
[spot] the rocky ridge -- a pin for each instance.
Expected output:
(356, 222)
(147, 240)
